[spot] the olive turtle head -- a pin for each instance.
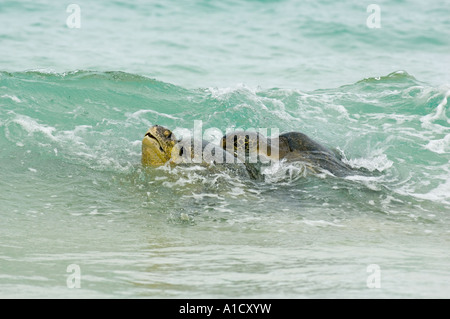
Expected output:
(157, 146)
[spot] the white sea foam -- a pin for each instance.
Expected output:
(68, 143)
(253, 101)
(440, 146)
(45, 71)
(371, 182)
(12, 97)
(136, 143)
(378, 163)
(32, 126)
(320, 223)
(73, 137)
(138, 114)
(224, 93)
(188, 178)
(439, 194)
(204, 195)
(438, 114)
(237, 191)
(284, 172)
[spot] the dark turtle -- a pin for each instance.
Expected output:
(254, 148)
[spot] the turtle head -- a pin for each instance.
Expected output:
(157, 146)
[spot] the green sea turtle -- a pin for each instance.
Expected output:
(253, 147)
(160, 146)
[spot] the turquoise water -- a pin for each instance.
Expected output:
(75, 104)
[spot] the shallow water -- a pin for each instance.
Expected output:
(73, 192)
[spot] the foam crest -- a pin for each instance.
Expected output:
(440, 194)
(279, 172)
(439, 146)
(439, 114)
(32, 126)
(378, 163)
(138, 114)
(320, 223)
(227, 92)
(12, 98)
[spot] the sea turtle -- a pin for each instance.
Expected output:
(160, 146)
(254, 147)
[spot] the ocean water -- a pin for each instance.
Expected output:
(81, 218)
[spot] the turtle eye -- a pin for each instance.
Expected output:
(170, 135)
